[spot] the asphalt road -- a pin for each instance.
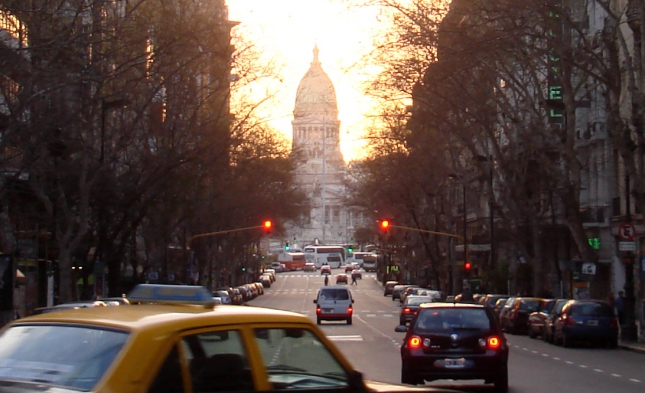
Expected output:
(372, 346)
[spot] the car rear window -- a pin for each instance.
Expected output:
(529, 305)
(442, 319)
(415, 301)
(334, 293)
(592, 309)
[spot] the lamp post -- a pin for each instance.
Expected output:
(628, 331)
(464, 215)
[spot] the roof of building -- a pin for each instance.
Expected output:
(316, 94)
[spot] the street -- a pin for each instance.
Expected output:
(373, 347)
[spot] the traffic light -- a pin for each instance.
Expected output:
(243, 269)
(385, 226)
(286, 246)
(268, 225)
(467, 266)
(350, 249)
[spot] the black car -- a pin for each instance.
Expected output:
(410, 307)
(516, 320)
(454, 341)
(551, 317)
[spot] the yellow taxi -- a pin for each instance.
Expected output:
(172, 339)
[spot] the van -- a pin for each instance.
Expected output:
(334, 303)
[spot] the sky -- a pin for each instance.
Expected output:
(287, 31)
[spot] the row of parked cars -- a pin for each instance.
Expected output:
(557, 321)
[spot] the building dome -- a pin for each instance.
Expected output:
(316, 94)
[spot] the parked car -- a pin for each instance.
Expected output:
(517, 317)
(491, 299)
(334, 303)
(410, 307)
(309, 267)
(454, 341)
(265, 281)
(505, 309)
(397, 291)
(387, 288)
(537, 319)
(550, 319)
(586, 320)
(226, 298)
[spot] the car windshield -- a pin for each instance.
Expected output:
(69, 356)
(529, 305)
(334, 294)
(448, 319)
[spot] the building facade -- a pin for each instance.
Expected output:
(322, 170)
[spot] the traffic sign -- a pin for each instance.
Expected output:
(626, 231)
(626, 246)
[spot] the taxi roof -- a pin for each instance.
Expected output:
(146, 316)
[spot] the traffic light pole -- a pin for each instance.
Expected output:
(466, 259)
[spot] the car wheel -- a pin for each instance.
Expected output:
(349, 320)
(318, 321)
(566, 340)
(501, 381)
(407, 377)
(613, 343)
(532, 333)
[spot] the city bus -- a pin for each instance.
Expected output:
(370, 262)
(292, 260)
(358, 257)
(334, 256)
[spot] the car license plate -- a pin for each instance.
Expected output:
(455, 363)
(592, 322)
(328, 310)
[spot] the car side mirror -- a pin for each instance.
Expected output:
(314, 301)
(401, 329)
(352, 300)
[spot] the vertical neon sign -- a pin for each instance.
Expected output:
(554, 62)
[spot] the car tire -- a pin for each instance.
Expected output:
(566, 340)
(349, 320)
(532, 333)
(501, 381)
(318, 321)
(407, 377)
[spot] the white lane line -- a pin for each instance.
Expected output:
(598, 370)
(534, 351)
(582, 366)
(355, 337)
(526, 349)
(568, 362)
(634, 380)
(371, 315)
(556, 358)
(388, 315)
(616, 375)
(546, 355)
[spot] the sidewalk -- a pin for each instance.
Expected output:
(632, 346)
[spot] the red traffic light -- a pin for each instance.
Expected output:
(385, 225)
(467, 266)
(267, 225)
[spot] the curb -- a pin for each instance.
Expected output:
(633, 348)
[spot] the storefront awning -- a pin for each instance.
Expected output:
(473, 248)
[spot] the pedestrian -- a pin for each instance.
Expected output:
(354, 280)
(620, 307)
(326, 280)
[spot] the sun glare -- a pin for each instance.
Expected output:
(285, 31)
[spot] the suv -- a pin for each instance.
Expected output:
(454, 341)
(334, 303)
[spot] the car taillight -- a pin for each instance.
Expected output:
(406, 310)
(350, 310)
(614, 323)
(570, 321)
(494, 342)
(318, 310)
(414, 342)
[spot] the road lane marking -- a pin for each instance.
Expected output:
(598, 370)
(371, 315)
(546, 355)
(556, 358)
(568, 362)
(616, 375)
(354, 337)
(634, 380)
(582, 366)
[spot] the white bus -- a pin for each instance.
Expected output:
(334, 256)
(370, 262)
(358, 257)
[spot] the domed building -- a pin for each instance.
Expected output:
(316, 140)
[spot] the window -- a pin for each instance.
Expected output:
(218, 362)
(169, 379)
(296, 359)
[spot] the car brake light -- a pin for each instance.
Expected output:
(414, 342)
(350, 309)
(406, 310)
(493, 342)
(570, 321)
(614, 323)
(318, 310)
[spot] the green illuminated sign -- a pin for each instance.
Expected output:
(594, 242)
